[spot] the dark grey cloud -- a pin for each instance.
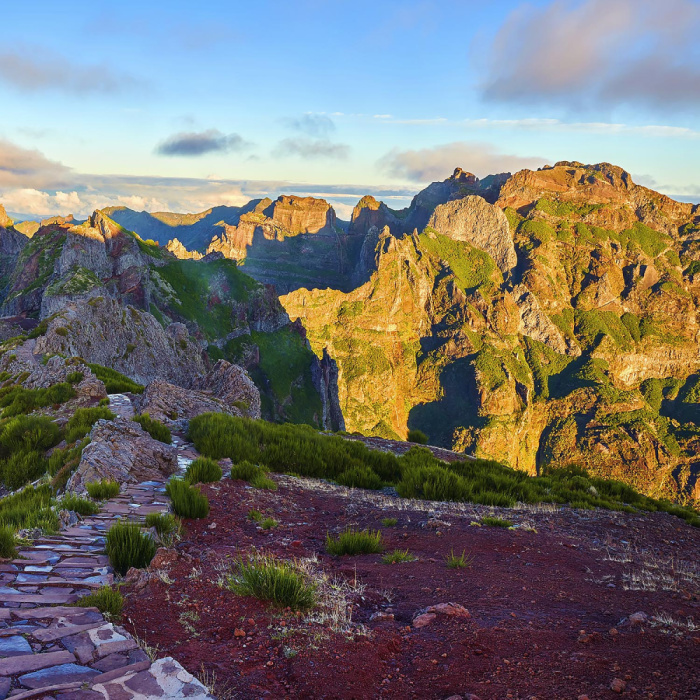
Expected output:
(41, 71)
(199, 143)
(311, 149)
(598, 54)
(315, 125)
(26, 168)
(434, 164)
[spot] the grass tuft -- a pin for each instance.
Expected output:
(83, 419)
(81, 506)
(102, 490)
(389, 522)
(255, 515)
(355, 542)
(274, 580)
(398, 556)
(203, 471)
(458, 561)
(188, 502)
(496, 522)
(127, 546)
(108, 601)
(268, 524)
(154, 428)
(8, 548)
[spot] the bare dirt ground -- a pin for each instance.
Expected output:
(549, 601)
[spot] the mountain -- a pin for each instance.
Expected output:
(102, 293)
(195, 231)
(556, 326)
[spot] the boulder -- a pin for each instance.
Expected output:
(483, 225)
(121, 450)
(169, 403)
(57, 369)
(232, 385)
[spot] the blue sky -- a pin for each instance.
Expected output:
(180, 105)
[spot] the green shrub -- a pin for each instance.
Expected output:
(102, 490)
(108, 601)
(458, 561)
(75, 377)
(398, 556)
(268, 524)
(417, 436)
(253, 474)
(81, 422)
(389, 522)
(279, 582)
(496, 522)
(255, 515)
(203, 471)
(154, 428)
(164, 523)
(21, 468)
(79, 505)
(29, 509)
(115, 382)
(354, 542)
(245, 471)
(8, 548)
(29, 434)
(360, 477)
(128, 546)
(18, 400)
(103, 402)
(188, 502)
(300, 450)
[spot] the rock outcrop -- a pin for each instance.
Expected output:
(231, 384)
(474, 220)
(179, 251)
(122, 451)
(5, 220)
(131, 341)
(173, 405)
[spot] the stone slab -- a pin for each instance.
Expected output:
(25, 664)
(64, 673)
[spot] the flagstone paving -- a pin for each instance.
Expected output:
(49, 649)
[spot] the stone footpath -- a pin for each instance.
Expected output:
(49, 649)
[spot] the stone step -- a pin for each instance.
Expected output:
(16, 665)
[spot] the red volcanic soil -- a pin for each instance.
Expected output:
(549, 601)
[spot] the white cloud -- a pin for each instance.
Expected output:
(433, 164)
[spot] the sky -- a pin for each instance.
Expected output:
(181, 106)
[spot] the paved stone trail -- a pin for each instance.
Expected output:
(49, 649)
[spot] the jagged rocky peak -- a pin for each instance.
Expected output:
(611, 198)
(5, 220)
(99, 226)
(179, 251)
(370, 213)
(302, 214)
(464, 177)
(58, 220)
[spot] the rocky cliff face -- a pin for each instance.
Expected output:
(290, 243)
(569, 336)
(5, 220)
(109, 296)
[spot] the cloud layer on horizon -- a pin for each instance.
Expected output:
(598, 54)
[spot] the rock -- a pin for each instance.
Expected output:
(123, 451)
(381, 616)
(128, 340)
(170, 404)
(479, 223)
(448, 609)
(57, 369)
(535, 324)
(179, 251)
(423, 620)
(638, 618)
(163, 558)
(5, 220)
(232, 385)
(618, 685)
(138, 578)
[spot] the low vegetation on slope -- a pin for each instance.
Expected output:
(295, 449)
